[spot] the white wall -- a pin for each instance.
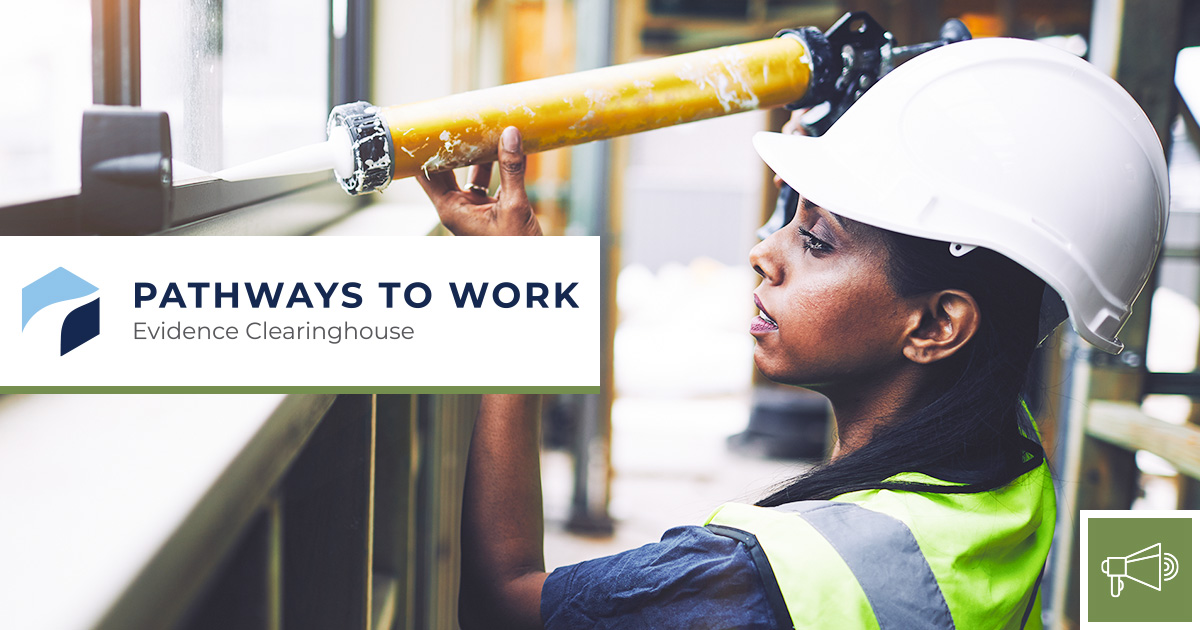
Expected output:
(693, 190)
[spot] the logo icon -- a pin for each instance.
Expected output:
(1153, 583)
(1155, 568)
(60, 285)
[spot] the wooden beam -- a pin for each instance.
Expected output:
(1125, 425)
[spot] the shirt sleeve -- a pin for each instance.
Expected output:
(692, 579)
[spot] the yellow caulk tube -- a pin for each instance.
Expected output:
(464, 129)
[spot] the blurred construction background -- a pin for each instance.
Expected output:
(323, 511)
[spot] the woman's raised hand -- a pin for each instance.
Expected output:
(472, 212)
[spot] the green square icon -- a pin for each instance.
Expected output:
(1139, 569)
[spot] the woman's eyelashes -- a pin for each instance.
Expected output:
(812, 243)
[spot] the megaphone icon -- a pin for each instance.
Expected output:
(1149, 566)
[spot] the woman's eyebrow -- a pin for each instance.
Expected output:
(809, 206)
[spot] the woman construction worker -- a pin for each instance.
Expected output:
(945, 221)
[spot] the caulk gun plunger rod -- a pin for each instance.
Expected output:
(571, 109)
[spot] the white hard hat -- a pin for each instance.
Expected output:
(1005, 144)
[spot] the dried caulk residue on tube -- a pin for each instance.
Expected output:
(604, 103)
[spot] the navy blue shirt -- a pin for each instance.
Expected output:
(692, 579)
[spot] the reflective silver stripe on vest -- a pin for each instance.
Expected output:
(885, 558)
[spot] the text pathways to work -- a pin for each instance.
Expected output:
(295, 312)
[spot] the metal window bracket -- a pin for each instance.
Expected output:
(125, 178)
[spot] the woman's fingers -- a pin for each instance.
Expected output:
(438, 184)
(512, 168)
(480, 175)
(514, 213)
(474, 213)
(442, 189)
(795, 123)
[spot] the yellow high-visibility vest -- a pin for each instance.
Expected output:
(893, 559)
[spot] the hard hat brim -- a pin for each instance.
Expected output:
(824, 170)
(806, 164)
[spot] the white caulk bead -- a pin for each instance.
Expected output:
(307, 159)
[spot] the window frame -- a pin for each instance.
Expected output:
(116, 80)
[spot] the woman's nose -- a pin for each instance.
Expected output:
(762, 260)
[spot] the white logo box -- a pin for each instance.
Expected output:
(551, 343)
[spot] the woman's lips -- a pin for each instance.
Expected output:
(763, 323)
(760, 325)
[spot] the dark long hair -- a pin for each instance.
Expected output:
(974, 430)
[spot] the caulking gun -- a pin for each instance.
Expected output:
(369, 146)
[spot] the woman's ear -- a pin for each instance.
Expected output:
(948, 320)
